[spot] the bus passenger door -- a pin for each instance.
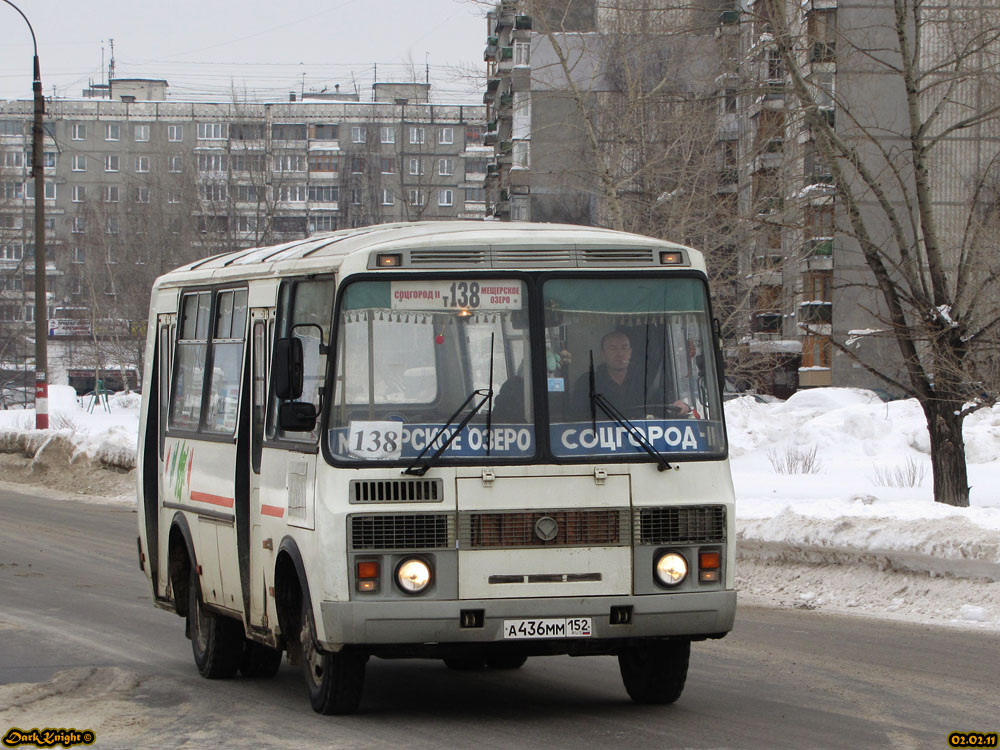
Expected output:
(286, 477)
(261, 561)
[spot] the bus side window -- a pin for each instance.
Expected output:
(305, 311)
(259, 388)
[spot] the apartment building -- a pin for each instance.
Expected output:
(146, 183)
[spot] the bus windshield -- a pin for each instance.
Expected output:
(628, 365)
(626, 355)
(411, 352)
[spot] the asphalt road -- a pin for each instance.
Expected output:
(82, 644)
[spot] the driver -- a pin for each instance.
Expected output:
(621, 384)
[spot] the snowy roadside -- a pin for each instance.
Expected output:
(853, 528)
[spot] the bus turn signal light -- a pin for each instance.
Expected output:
(708, 566)
(368, 576)
(388, 260)
(672, 258)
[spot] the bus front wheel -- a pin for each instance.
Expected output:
(334, 680)
(655, 671)
(216, 641)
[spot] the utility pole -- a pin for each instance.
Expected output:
(41, 303)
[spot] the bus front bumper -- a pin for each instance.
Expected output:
(700, 614)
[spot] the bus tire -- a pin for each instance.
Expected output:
(260, 660)
(506, 661)
(216, 641)
(654, 672)
(334, 680)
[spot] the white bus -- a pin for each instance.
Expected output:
(470, 441)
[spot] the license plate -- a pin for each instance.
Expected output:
(552, 627)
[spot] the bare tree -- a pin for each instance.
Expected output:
(911, 139)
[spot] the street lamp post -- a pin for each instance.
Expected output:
(41, 303)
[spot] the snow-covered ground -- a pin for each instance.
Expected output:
(834, 502)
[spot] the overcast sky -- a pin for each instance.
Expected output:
(261, 48)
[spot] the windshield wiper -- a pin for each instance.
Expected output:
(599, 399)
(487, 394)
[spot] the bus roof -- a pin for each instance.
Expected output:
(438, 244)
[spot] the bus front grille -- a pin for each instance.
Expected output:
(402, 531)
(395, 491)
(691, 524)
(605, 527)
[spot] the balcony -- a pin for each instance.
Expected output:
(522, 23)
(490, 53)
(818, 247)
(506, 100)
(766, 322)
(729, 17)
(823, 52)
(815, 313)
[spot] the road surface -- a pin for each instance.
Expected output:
(82, 646)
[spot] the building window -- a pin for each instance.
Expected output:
(822, 29)
(175, 133)
(11, 252)
(522, 53)
(324, 193)
(388, 134)
(520, 210)
(475, 166)
(446, 167)
(322, 223)
(79, 225)
(416, 166)
(246, 193)
(142, 195)
(387, 166)
(79, 193)
(213, 191)
(142, 164)
(50, 190)
(79, 131)
(175, 164)
(111, 193)
(417, 197)
(416, 136)
(323, 132)
(79, 163)
(357, 165)
(79, 255)
(246, 223)
(112, 132)
(359, 134)
(292, 193)
(289, 163)
(816, 351)
(446, 197)
(173, 196)
(446, 136)
(388, 198)
(521, 154)
(111, 162)
(323, 163)
(475, 195)
(212, 131)
(13, 159)
(141, 133)
(288, 132)
(290, 224)
(356, 197)
(49, 159)
(211, 162)
(246, 162)
(112, 227)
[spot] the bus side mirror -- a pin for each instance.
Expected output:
(297, 416)
(288, 369)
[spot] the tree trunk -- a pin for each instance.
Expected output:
(951, 479)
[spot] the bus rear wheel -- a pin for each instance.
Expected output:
(654, 672)
(216, 641)
(334, 680)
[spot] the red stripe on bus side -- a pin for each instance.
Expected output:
(204, 497)
(272, 510)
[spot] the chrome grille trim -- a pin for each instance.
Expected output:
(560, 256)
(447, 257)
(401, 531)
(684, 524)
(514, 529)
(363, 491)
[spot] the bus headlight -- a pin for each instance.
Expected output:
(413, 575)
(671, 568)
